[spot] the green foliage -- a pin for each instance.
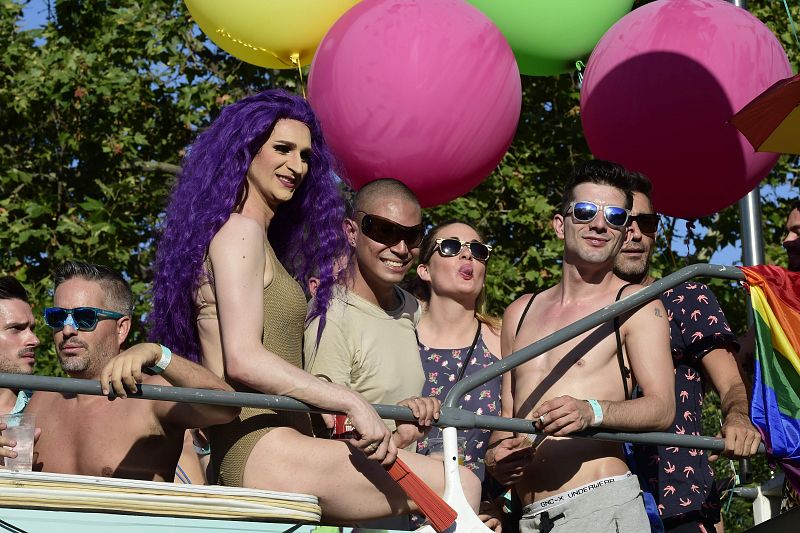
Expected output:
(99, 104)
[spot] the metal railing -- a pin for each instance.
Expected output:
(451, 415)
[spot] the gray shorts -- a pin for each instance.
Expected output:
(613, 507)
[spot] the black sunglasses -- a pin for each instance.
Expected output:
(586, 211)
(450, 247)
(648, 222)
(80, 318)
(387, 232)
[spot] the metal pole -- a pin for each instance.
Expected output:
(752, 247)
(750, 213)
(452, 417)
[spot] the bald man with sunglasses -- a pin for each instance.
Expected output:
(91, 435)
(578, 484)
(368, 343)
(703, 348)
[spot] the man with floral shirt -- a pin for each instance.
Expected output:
(703, 347)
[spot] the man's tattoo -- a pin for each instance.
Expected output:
(658, 313)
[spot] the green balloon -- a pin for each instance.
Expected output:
(548, 36)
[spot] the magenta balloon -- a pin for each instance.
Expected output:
(425, 91)
(660, 88)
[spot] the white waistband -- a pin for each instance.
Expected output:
(561, 498)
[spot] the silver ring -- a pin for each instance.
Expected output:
(541, 419)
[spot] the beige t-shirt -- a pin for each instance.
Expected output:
(368, 349)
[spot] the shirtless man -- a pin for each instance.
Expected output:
(17, 340)
(91, 435)
(17, 345)
(580, 484)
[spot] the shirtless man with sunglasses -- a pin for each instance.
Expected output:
(90, 435)
(580, 484)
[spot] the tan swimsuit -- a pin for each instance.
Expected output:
(284, 318)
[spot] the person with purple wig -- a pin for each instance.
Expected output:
(255, 210)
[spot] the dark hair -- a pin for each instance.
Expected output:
(12, 289)
(422, 289)
(598, 172)
(306, 231)
(640, 183)
(382, 188)
(795, 205)
(118, 294)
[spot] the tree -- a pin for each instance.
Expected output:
(99, 104)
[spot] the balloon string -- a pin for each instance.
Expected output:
(791, 21)
(295, 58)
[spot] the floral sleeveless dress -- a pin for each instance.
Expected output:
(442, 367)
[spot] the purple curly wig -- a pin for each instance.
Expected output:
(306, 232)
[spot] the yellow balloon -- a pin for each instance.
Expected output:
(268, 33)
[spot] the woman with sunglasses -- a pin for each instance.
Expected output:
(257, 209)
(455, 336)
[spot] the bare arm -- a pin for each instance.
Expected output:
(125, 370)
(240, 271)
(741, 437)
(646, 338)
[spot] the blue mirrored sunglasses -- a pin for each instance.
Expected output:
(80, 318)
(584, 212)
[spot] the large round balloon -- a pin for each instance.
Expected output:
(659, 91)
(268, 33)
(547, 36)
(424, 91)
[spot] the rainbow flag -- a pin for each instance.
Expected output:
(775, 407)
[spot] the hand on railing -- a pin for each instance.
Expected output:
(426, 411)
(741, 437)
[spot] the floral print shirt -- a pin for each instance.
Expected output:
(681, 479)
(442, 367)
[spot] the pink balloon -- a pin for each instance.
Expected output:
(659, 91)
(427, 92)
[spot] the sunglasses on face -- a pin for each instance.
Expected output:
(648, 223)
(586, 211)
(451, 247)
(386, 232)
(80, 318)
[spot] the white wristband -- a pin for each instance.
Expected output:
(597, 419)
(163, 363)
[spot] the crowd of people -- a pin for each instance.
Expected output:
(265, 280)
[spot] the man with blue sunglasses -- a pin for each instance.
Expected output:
(578, 484)
(91, 435)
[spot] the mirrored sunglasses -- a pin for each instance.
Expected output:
(584, 212)
(648, 223)
(387, 232)
(450, 247)
(80, 318)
